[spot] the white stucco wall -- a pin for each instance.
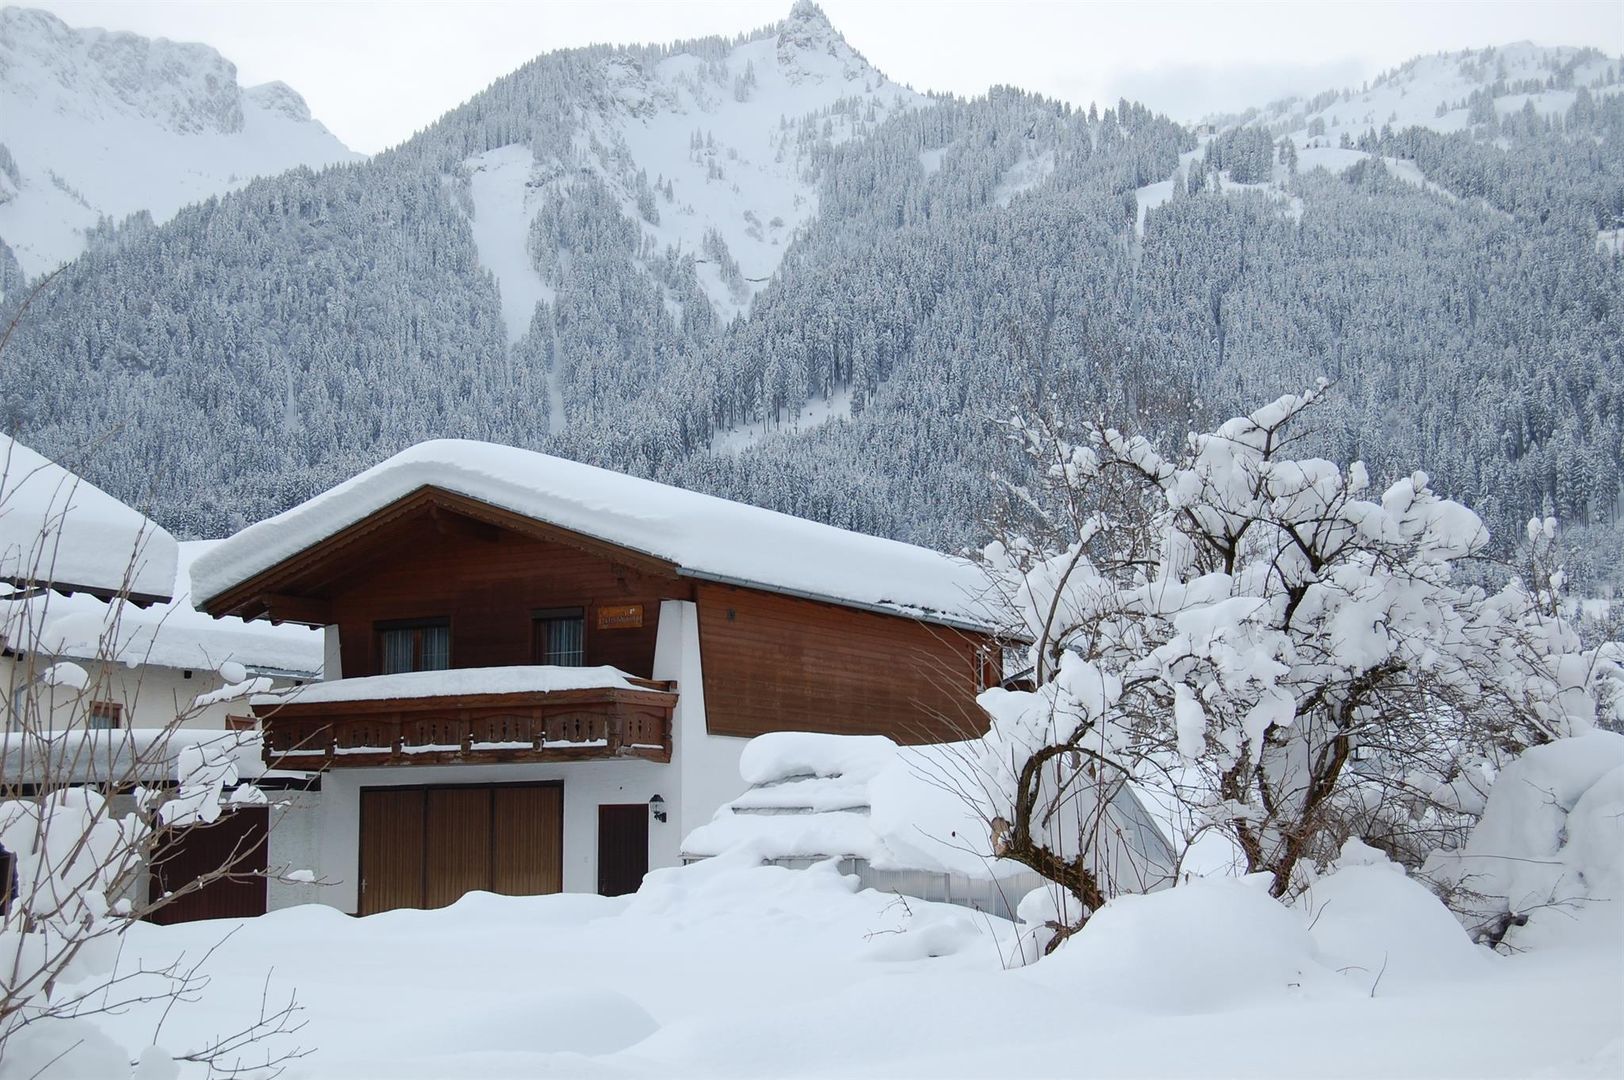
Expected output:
(295, 844)
(708, 765)
(149, 696)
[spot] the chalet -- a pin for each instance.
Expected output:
(539, 675)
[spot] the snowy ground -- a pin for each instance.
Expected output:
(724, 969)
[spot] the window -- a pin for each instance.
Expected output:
(106, 715)
(419, 645)
(561, 637)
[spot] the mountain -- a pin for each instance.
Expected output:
(759, 267)
(104, 125)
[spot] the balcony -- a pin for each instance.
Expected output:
(471, 716)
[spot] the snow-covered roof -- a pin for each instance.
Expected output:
(853, 796)
(706, 537)
(896, 807)
(172, 635)
(60, 529)
(147, 755)
(458, 682)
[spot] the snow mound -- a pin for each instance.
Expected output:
(1208, 946)
(1374, 923)
(1548, 854)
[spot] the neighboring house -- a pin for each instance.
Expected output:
(64, 541)
(540, 675)
(149, 667)
(92, 585)
(86, 579)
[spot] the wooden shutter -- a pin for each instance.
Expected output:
(391, 849)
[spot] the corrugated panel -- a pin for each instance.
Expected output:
(391, 849)
(528, 840)
(457, 844)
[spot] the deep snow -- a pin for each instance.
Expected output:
(723, 969)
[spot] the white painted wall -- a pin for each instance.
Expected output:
(150, 696)
(708, 764)
(295, 844)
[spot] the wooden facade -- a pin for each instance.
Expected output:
(781, 663)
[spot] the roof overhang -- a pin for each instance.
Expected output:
(275, 593)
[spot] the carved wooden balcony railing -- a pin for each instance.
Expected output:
(532, 726)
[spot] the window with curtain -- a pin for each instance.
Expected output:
(416, 646)
(561, 638)
(106, 715)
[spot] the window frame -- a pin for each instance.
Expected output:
(106, 709)
(540, 617)
(417, 626)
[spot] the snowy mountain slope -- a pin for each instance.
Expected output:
(108, 124)
(711, 157)
(1439, 92)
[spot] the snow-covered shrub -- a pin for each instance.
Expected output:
(1549, 850)
(1267, 637)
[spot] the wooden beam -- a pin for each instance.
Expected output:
(280, 608)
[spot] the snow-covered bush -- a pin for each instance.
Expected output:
(1549, 850)
(1269, 639)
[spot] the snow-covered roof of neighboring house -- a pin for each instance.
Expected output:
(59, 529)
(172, 635)
(121, 755)
(704, 536)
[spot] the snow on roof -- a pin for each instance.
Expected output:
(456, 682)
(860, 796)
(705, 536)
(173, 635)
(60, 528)
(147, 755)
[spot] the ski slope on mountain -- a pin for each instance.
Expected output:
(101, 124)
(717, 150)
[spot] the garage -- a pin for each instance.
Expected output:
(423, 847)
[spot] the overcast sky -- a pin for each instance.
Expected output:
(374, 72)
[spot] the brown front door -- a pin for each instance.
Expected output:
(622, 848)
(425, 847)
(238, 843)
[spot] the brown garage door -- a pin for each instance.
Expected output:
(237, 844)
(424, 847)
